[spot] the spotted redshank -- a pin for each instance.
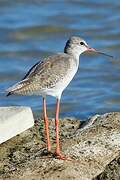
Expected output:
(51, 77)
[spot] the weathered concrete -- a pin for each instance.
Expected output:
(94, 147)
(14, 120)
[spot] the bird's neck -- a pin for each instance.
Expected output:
(73, 53)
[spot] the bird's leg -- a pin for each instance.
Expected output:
(58, 151)
(46, 123)
(56, 127)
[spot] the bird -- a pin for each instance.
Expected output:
(50, 77)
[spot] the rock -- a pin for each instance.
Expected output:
(112, 171)
(14, 120)
(94, 147)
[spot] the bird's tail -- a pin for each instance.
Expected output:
(17, 88)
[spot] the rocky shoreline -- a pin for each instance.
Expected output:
(94, 147)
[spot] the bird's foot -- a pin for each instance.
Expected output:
(62, 157)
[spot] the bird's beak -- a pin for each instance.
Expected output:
(89, 49)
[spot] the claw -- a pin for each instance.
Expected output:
(62, 157)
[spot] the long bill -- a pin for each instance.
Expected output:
(94, 50)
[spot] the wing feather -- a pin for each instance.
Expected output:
(48, 72)
(43, 75)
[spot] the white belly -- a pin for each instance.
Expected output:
(61, 85)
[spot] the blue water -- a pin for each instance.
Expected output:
(31, 30)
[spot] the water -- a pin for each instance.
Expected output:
(31, 30)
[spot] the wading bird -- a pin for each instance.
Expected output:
(51, 77)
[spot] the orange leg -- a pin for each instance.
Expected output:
(46, 126)
(58, 151)
(56, 128)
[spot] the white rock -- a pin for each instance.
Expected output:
(14, 120)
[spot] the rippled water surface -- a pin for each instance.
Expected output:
(31, 30)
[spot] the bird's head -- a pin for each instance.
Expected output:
(76, 46)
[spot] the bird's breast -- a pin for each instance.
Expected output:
(63, 83)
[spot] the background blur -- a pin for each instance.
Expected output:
(33, 29)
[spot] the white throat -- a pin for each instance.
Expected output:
(76, 55)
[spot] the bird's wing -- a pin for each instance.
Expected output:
(48, 72)
(31, 70)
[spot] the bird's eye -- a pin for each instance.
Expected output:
(82, 43)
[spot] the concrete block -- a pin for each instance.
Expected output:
(14, 120)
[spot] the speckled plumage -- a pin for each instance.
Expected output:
(44, 75)
(52, 75)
